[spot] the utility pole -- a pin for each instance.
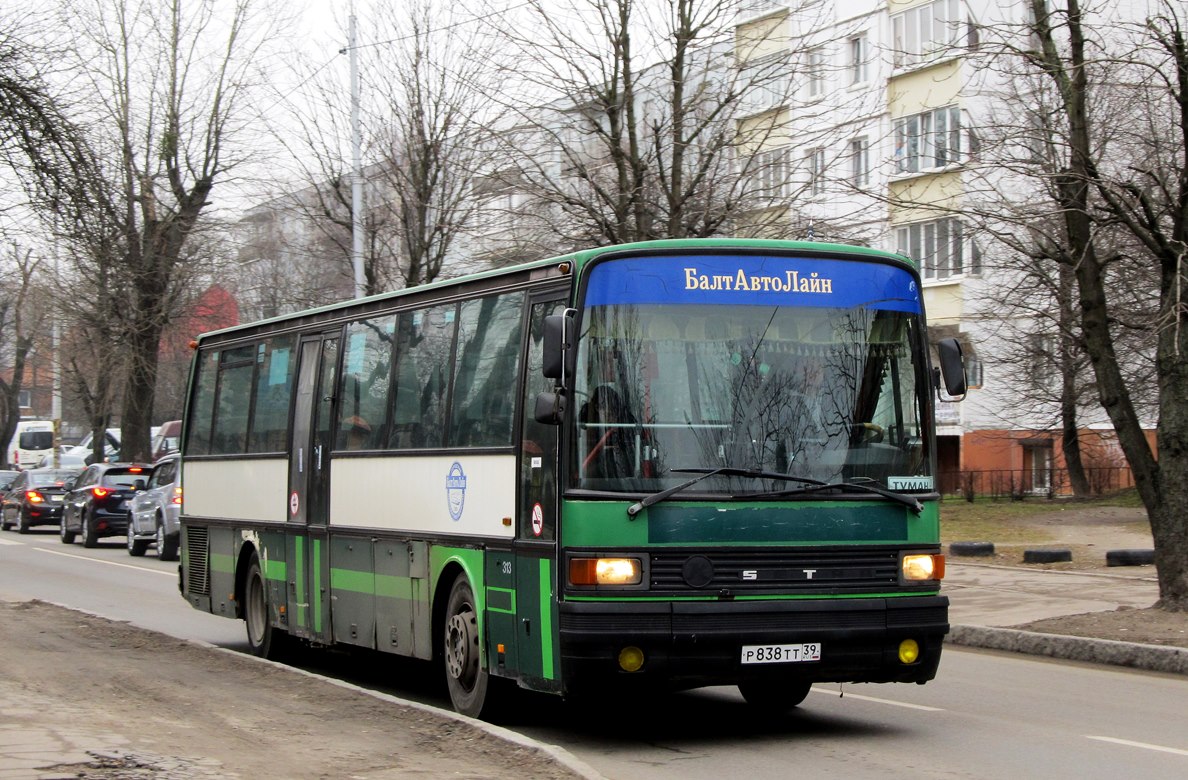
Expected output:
(357, 177)
(56, 364)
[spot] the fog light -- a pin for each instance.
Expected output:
(631, 659)
(909, 651)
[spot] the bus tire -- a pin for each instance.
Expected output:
(774, 698)
(466, 679)
(264, 639)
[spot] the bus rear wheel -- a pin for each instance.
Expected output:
(264, 639)
(774, 698)
(467, 680)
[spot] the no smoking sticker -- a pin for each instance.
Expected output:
(537, 519)
(294, 503)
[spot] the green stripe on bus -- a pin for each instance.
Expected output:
(222, 563)
(300, 564)
(502, 600)
(546, 619)
(275, 570)
(317, 585)
(352, 580)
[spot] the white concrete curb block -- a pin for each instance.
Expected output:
(1154, 658)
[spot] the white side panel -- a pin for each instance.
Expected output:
(455, 494)
(236, 489)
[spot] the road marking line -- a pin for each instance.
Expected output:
(1144, 745)
(859, 697)
(109, 563)
(11, 542)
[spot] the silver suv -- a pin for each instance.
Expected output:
(154, 512)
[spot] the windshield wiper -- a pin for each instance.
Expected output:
(911, 502)
(810, 486)
(728, 471)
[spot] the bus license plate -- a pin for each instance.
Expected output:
(781, 654)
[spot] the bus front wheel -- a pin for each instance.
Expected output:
(465, 677)
(774, 698)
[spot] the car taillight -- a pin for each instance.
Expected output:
(177, 496)
(100, 492)
(34, 497)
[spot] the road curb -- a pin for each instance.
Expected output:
(1153, 658)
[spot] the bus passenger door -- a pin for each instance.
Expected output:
(307, 545)
(536, 523)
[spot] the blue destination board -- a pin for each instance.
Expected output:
(753, 280)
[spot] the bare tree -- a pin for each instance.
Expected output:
(1119, 196)
(167, 84)
(434, 89)
(660, 119)
(21, 319)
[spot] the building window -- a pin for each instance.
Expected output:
(815, 71)
(973, 371)
(1037, 467)
(858, 57)
(815, 163)
(765, 83)
(24, 399)
(936, 245)
(770, 174)
(928, 140)
(925, 32)
(751, 8)
(1041, 360)
(860, 162)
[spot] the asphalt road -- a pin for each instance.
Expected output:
(986, 715)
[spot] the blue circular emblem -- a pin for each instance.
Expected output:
(456, 490)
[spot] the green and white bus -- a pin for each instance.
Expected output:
(660, 465)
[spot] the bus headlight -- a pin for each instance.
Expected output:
(605, 571)
(917, 567)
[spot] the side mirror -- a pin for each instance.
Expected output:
(139, 484)
(550, 408)
(952, 367)
(554, 346)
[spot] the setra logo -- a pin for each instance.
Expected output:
(456, 490)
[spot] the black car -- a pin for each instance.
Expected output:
(6, 480)
(97, 503)
(35, 498)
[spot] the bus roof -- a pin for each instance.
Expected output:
(579, 259)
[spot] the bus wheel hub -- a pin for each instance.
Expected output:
(461, 647)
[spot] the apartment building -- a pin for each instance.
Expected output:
(879, 125)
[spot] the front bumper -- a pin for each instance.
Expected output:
(692, 644)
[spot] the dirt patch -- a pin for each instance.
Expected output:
(132, 703)
(1145, 626)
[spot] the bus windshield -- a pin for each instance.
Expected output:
(825, 386)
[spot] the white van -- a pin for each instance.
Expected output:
(32, 440)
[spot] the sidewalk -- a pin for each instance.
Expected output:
(984, 599)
